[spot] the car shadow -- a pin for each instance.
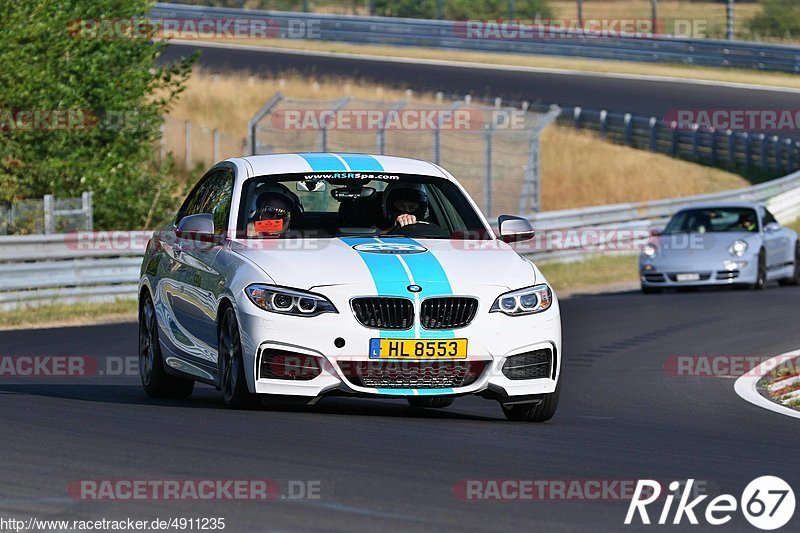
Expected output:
(207, 398)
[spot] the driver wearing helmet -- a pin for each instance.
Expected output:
(404, 204)
(275, 208)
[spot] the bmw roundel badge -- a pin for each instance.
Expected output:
(414, 288)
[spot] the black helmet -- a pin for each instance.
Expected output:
(410, 192)
(270, 219)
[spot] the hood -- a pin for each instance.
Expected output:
(713, 244)
(389, 262)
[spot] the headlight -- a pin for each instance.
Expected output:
(289, 301)
(738, 248)
(649, 251)
(524, 301)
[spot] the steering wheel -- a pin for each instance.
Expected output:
(420, 228)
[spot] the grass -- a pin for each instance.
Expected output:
(593, 272)
(69, 314)
(712, 15)
(578, 167)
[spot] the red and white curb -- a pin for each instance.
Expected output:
(746, 385)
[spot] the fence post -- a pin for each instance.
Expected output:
(188, 141)
(653, 134)
(729, 17)
(88, 209)
(216, 145)
(487, 184)
(47, 206)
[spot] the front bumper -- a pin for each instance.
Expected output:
(492, 338)
(716, 272)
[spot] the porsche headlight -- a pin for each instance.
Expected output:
(649, 251)
(289, 301)
(524, 301)
(738, 248)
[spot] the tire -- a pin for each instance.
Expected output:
(651, 290)
(795, 279)
(155, 380)
(761, 277)
(541, 412)
(232, 380)
(430, 403)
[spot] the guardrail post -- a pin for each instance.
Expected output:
(776, 153)
(188, 142)
(713, 136)
(628, 129)
(47, 207)
(748, 149)
(604, 122)
(695, 142)
(763, 138)
(653, 134)
(731, 148)
(88, 209)
(576, 116)
(675, 138)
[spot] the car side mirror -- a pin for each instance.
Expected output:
(772, 227)
(514, 229)
(200, 227)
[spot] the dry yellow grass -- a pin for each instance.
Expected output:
(579, 168)
(712, 12)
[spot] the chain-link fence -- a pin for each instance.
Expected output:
(48, 215)
(191, 143)
(492, 150)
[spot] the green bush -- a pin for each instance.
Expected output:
(111, 88)
(778, 18)
(462, 9)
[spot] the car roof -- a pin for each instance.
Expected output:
(264, 165)
(717, 205)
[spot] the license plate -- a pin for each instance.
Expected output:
(687, 277)
(418, 349)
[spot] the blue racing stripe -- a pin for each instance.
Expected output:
(389, 276)
(362, 162)
(323, 162)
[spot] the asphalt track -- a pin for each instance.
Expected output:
(383, 466)
(641, 97)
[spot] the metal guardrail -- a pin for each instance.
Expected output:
(105, 266)
(455, 35)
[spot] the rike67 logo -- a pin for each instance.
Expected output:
(767, 503)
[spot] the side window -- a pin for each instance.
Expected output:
(768, 218)
(213, 195)
(218, 199)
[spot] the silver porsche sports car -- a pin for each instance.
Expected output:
(731, 243)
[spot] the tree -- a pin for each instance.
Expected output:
(778, 18)
(81, 103)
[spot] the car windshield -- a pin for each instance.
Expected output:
(716, 219)
(351, 204)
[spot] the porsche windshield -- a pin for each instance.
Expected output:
(321, 205)
(718, 219)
